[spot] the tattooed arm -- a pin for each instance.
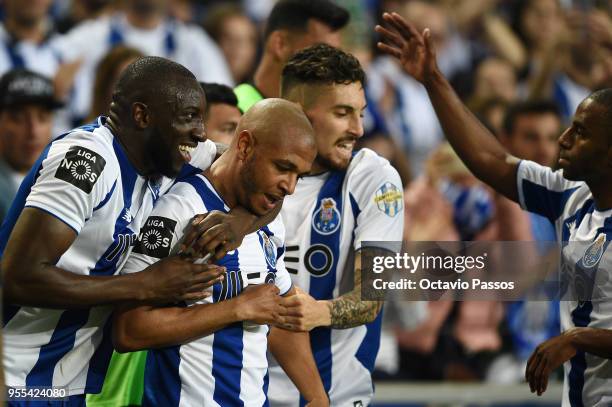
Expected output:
(349, 310)
(304, 313)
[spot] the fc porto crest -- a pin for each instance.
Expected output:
(593, 253)
(269, 250)
(389, 199)
(326, 219)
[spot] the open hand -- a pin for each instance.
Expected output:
(414, 50)
(545, 358)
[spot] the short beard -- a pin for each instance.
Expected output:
(328, 165)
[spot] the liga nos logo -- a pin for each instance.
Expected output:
(81, 167)
(155, 238)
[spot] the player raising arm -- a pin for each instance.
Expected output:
(578, 200)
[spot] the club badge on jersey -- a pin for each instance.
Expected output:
(326, 219)
(388, 199)
(593, 253)
(269, 249)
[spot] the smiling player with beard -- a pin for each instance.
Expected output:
(347, 198)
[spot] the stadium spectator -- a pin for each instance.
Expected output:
(292, 25)
(223, 114)
(237, 37)
(26, 116)
(144, 25)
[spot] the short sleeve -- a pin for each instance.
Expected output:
(204, 155)
(542, 190)
(376, 196)
(282, 279)
(163, 230)
(73, 179)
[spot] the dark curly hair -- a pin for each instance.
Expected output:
(321, 65)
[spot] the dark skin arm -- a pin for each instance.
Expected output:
(37, 242)
(147, 327)
(293, 352)
(217, 232)
(474, 144)
(552, 353)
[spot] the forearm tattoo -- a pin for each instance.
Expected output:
(349, 310)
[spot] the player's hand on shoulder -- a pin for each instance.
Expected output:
(303, 313)
(548, 356)
(175, 279)
(260, 304)
(216, 233)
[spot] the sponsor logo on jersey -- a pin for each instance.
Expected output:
(593, 253)
(388, 199)
(326, 219)
(81, 167)
(155, 237)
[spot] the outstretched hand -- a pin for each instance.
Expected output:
(414, 50)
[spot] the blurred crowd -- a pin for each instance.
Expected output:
(521, 65)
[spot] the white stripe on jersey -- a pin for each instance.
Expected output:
(365, 205)
(84, 179)
(227, 367)
(570, 206)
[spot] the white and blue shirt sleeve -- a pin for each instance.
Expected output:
(377, 200)
(542, 190)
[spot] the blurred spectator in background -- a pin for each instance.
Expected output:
(27, 102)
(495, 78)
(146, 26)
(25, 34)
(237, 37)
(223, 114)
(292, 26)
(107, 74)
(81, 10)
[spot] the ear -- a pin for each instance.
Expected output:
(278, 45)
(245, 143)
(140, 115)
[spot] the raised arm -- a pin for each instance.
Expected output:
(476, 146)
(31, 278)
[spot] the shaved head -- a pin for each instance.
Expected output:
(277, 121)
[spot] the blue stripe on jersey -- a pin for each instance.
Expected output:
(106, 198)
(266, 384)
(322, 288)
(123, 236)
(368, 349)
(581, 315)
(61, 342)
(16, 58)
(98, 364)
(162, 385)
(545, 202)
(227, 365)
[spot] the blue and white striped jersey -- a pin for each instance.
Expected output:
(228, 367)
(38, 57)
(186, 44)
(585, 234)
(84, 179)
(327, 219)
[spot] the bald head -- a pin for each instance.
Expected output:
(277, 121)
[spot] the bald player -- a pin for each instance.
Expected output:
(205, 352)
